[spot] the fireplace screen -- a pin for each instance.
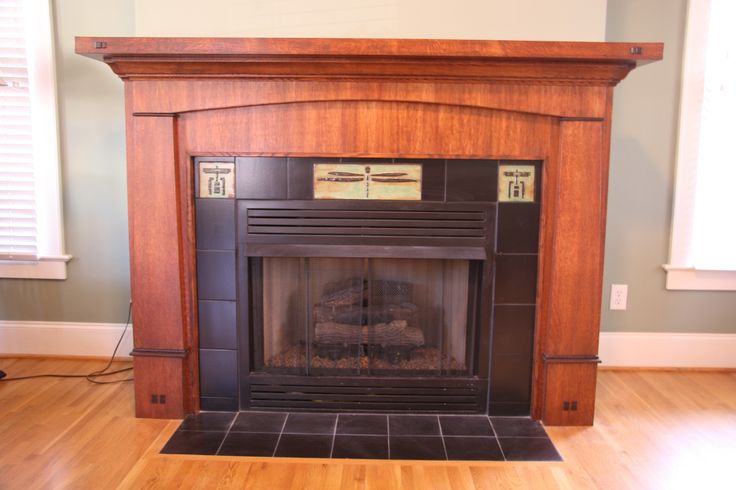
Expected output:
(363, 316)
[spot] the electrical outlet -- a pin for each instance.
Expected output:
(619, 293)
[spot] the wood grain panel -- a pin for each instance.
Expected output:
(367, 128)
(153, 218)
(576, 276)
(569, 393)
(163, 376)
(170, 96)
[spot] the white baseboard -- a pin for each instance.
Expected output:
(676, 350)
(64, 339)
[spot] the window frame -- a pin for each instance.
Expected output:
(51, 260)
(681, 271)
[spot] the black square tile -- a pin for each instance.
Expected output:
(518, 228)
(509, 409)
(416, 447)
(304, 446)
(472, 180)
(217, 325)
(310, 423)
(413, 425)
(362, 424)
(217, 421)
(362, 447)
(517, 427)
(511, 378)
(516, 279)
(528, 449)
(513, 328)
(261, 177)
(473, 448)
(249, 444)
(218, 373)
(259, 422)
(462, 425)
(216, 275)
(219, 403)
(193, 442)
(215, 224)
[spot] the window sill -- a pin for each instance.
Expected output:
(689, 278)
(43, 268)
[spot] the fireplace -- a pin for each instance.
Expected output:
(349, 298)
(424, 101)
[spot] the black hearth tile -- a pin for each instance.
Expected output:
(259, 422)
(261, 177)
(516, 279)
(310, 423)
(473, 448)
(413, 425)
(215, 421)
(518, 228)
(304, 446)
(509, 409)
(528, 449)
(472, 180)
(217, 325)
(362, 424)
(511, 378)
(249, 444)
(465, 425)
(300, 177)
(218, 373)
(362, 447)
(517, 427)
(416, 447)
(218, 403)
(513, 328)
(193, 442)
(216, 275)
(215, 222)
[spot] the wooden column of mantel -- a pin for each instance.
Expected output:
(359, 97)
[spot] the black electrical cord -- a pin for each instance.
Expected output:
(91, 376)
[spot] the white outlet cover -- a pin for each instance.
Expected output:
(619, 296)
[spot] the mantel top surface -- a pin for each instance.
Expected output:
(123, 47)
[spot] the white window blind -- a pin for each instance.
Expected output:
(17, 189)
(31, 239)
(703, 244)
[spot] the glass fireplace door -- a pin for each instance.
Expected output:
(363, 316)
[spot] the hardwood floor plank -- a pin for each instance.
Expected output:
(653, 429)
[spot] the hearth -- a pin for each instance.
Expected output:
(366, 304)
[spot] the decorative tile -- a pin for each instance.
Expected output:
(361, 447)
(473, 448)
(466, 426)
(528, 449)
(414, 425)
(416, 447)
(259, 422)
(304, 446)
(516, 183)
(216, 421)
(310, 423)
(249, 444)
(193, 442)
(362, 424)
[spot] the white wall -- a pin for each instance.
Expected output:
(543, 20)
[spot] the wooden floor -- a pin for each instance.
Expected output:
(653, 429)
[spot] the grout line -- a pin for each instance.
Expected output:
(442, 438)
(226, 434)
(334, 435)
(280, 434)
(388, 438)
(496, 436)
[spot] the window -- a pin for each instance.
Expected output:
(31, 240)
(703, 245)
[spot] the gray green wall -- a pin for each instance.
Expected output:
(93, 158)
(644, 137)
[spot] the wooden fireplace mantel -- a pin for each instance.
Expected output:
(368, 97)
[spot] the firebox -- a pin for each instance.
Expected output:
(366, 284)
